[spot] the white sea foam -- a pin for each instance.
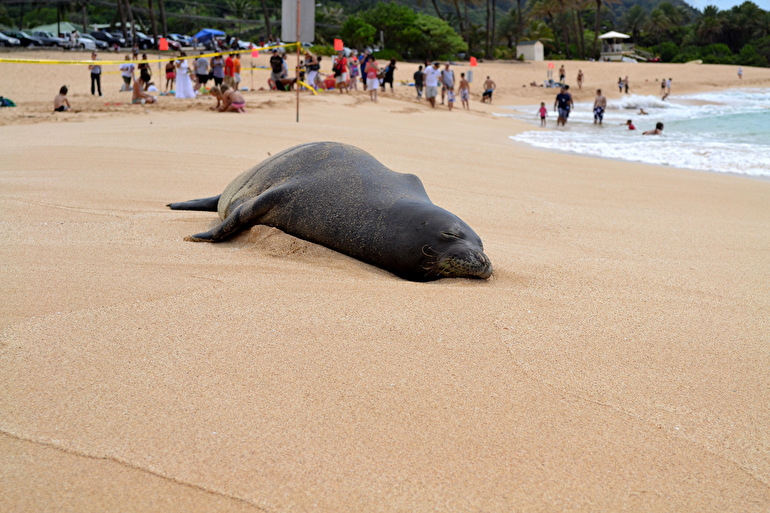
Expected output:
(727, 131)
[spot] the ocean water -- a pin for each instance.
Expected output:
(725, 132)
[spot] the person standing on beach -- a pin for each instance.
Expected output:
(465, 92)
(96, 75)
(418, 76)
(229, 71)
(236, 71)
(201, 71)
(620, 85)
(388, 78)
(562, 74)
(668, 86)
(170, 76)
(580, 79)
(126, 71)
(600, 103)
(489, 88)
(276, 69)
(432, 74)
(625, 83)
(564, 104)
(740, 73)
(145, 72)
(447, 81)
(372, 81)
(543, 114)
(217, 69)
(662, 88)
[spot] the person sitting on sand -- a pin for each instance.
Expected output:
(139, 95)
(228, 99)
(658, 129)
(60, 102)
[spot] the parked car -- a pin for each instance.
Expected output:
(8, 40)
(109, 38)
(24, 38)
(49, 39)
(86, 40)
(144, 41)
(181, 39)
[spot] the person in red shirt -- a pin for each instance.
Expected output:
(341, 72)
(229, 70)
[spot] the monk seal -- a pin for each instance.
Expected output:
(343, 198)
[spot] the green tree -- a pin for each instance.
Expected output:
(748, 56)
(357, 32)
(635, 20)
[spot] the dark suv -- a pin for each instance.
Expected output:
(109, 38)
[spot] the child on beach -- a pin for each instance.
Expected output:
(228, 99)
(450, 98)
(630, 125)
(543, 114)
(60, 102)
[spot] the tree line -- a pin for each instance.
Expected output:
(417, 29)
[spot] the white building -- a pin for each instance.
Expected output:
(531, 50)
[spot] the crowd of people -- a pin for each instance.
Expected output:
(564, 104)
(225, 72)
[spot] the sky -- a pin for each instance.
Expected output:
(726, 4)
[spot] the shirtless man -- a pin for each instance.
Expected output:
(465, 91)
(489, 87)
(600, 103)
(139, 95)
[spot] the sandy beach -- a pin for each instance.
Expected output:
(617, 360)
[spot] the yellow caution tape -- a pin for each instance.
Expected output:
(307, 87)
(107, 63)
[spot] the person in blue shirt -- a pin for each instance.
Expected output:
(564, 104)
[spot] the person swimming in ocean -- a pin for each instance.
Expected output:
(658, 130)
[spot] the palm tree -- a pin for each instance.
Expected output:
(599, 4)
(546, 9)
(659, 23)
(635, 20)
(711, 24)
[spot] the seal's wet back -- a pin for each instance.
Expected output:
(341, 197)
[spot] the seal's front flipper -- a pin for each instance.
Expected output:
(244, 216)
(203, 204)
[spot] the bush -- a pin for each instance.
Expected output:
(326, 50)
(749, 56)
(717, 54)
(687, 54)
(503, 52)
(386, 55)
(667, 51)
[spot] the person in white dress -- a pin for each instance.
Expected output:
(184, 87)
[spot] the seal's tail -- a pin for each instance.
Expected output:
(204, 204)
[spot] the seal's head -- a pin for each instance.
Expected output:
(449, 248)
(458, 253)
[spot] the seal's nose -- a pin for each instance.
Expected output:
(485, 270)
